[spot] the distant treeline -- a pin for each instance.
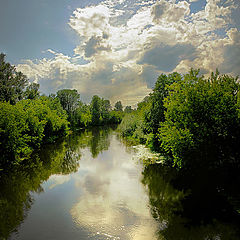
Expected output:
(28, 120)
(189, 117)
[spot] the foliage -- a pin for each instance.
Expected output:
(28, 124)
(115, 117)
(83, 116)
(133, 123)
(102, 114)
(186, 115)
(35, 120)
(105, 108)
(32, 91)
(155, 114)
(199, 112)
(95, 110)
(12, 82)
(128, 109)
(118, 106)
(69, 100)
(129, 124)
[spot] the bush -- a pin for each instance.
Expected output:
(27, 125)
(200, 112)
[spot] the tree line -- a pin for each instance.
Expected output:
(28, 119)
(187, 116)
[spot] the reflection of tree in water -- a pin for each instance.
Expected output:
(17, 184)
(100, 140)
(63, 157)
(194, 204)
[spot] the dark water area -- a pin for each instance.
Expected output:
(92, 185)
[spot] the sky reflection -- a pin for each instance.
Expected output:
(113, 202)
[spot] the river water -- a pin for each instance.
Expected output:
(92, 185)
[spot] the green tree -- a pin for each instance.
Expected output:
(95, 109)
(118, 106)
(200, 114)
(32, 91)
(69, 100)
(105, 110)
(154, 114)
(132, 125)
(12, 82)
(83, 116)
(27, 125)
(128, 109)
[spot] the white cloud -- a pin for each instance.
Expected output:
(170, 12)
(120, 41)
(91, 21)
(58, 180)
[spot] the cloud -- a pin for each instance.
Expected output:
(95, 45)
(120, 43)
(166, 57)
(58, 180)
(231, 53)
(169, 12)
(150, 73)
(90, 21)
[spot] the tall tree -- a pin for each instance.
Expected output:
(69, 100)
(12, 82)
(118, 106)
(95, 109)
(32, 91)
(105, 109)
(201, 114)
(155, 115)
(128, 109)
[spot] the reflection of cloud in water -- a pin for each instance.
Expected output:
(112, 201)
(58, 180)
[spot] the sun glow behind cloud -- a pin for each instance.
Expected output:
(124, 45)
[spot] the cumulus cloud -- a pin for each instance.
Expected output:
(231, 53)
(166, 57)
(121, 42)
(94, 45)
(169, 12)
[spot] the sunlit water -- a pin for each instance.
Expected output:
(93, 186)
(103, 199)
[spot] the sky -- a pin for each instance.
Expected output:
(117, 48)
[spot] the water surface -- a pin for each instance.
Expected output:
(92, 186)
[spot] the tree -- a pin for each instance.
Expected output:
(26, 125)
(95, 110)
(128, 109)
(155, 115)
(32, 91)
(12, 82)
(69, 100)
(105, 110)
(118, 106)
(200, 114)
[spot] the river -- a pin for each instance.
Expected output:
(92, 185)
